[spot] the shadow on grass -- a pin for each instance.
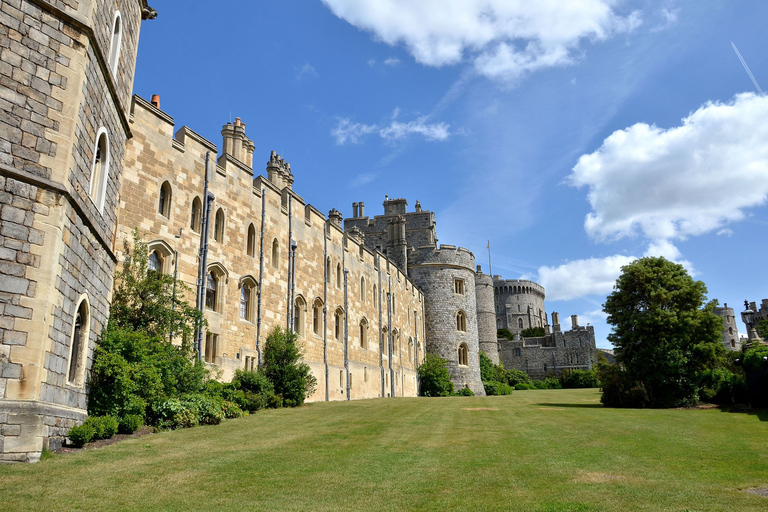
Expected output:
(582, 406)
(762, 414)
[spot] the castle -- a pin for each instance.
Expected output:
(83, 163)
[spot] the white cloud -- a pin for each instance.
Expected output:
(362, 179)
(392, 62)
(504, 38)
(680, 182)
(593, 276)
(348, 131)
(306, 71)
(372, 62)
(668, 19)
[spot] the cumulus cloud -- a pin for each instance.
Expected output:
(362, 179)
(593, 276)
(392, 62)
(683, 181)
(503, 38)
(348, 131)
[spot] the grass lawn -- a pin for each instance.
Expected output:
(549, 450)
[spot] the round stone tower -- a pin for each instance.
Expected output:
(486, 315)
(519, 304)
(730, 327)
(447, 278)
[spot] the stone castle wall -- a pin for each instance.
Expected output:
(57, 93)
(486, 315)
(323, 252)
(553, 353)
(519, 304)
(435, 271)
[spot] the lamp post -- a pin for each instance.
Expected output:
(748, 317)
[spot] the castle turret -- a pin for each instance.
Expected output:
(447, 278)
(486, 316)
(730, 327)
(279, 172)
(397, 246)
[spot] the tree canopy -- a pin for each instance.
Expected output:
(664, 333)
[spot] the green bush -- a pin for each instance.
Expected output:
(525, 385)
(173, 413)
(207, 409)
(533, 332)
(497, 388)
(753, 359)
(130, 423)
(109, 426)
(723, 387)
(292, 380)
(464, 392)
(549, 383)
(505, 333)
(81, 434)
(619, 389)
(231, 409)
(434, 378)
(254, 382)
(572, 379)
(515, 377)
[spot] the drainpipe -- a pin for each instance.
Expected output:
(346, 324)
(381, 334)
(261, 274)
(326, 275)
(202, 273)
(289, 309)
(389, 333)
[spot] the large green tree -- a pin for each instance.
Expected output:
(665, 333)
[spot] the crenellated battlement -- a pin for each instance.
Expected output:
(517, 286)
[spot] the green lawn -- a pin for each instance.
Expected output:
(554, 450)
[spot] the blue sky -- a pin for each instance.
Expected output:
(574, 136)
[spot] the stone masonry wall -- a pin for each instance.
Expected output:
(574, 349)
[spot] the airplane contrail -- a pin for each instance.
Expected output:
(743, 63)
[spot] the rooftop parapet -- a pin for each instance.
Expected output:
(504, 286)
(444, 255)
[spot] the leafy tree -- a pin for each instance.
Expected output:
(135, 366)
(292, 380)
(144, 300)
(434, 378)
(533, 332)
(664, 333)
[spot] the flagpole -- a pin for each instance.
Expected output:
(490, 268)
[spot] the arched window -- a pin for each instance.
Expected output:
(364, 333)
(385, 340)
(275, 254)
(338, 317)
(328, 270)
(461, 321)
(100, 169)
(375, 296)
(317, 317)
(218, 230)
(730, 331)
(338, 275)
(498, 323)
(362, 289)
(164, 204)
(250, 245)
(520, 323)
(211, 291)
(197, 215)
(155, 261)
(299, 312)
(79, 344)
(248, 287)
(463, 355)
(115, 44)
(733, 343)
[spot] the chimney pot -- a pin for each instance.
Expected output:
(155, 100)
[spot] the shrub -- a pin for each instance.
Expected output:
(533, 332)
(231, 409)
(619, 389)
(723, 387)
(207, 410)
(434, 378)
(130, 423)
(515, 377)
(505, 333)
(254, 382)
(753, 359)
(497, 388)
(292, 380)
(571, 379)
(464, 392)
(173, 414)
(109, 426)
(81, 434)
(525, 385)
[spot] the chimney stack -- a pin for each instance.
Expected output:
(354, 210)
(156, 100)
